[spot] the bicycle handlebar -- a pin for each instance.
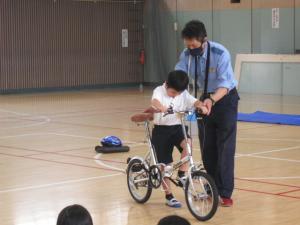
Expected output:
(172, 111)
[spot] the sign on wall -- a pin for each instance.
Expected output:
(124, 38)
(275, 18)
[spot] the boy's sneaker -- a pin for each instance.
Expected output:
(226, 202)
(173, 203)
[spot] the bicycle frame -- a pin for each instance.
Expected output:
(151, 154)
(189, 157)
(144, 174)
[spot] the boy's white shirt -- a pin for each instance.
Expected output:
(184, 101)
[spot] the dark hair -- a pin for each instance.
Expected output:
(194, 29)
(74, 215)
(173, 220)
(178, 80)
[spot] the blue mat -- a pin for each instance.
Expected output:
(264, 117)
(272, 118)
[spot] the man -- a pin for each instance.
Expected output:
(209, 64)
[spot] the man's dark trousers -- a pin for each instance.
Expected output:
(217, 134)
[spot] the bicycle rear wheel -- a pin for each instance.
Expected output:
(138, 181)
(201, 196)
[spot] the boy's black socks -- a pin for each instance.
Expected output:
(169, 196)
(181, 173)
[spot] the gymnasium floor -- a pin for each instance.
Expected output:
(47, 161)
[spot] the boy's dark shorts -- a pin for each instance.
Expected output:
(164, 138)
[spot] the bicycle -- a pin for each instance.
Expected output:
(144, 174)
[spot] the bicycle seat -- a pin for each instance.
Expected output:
(147, 115)
(151, 110)
(142, 117)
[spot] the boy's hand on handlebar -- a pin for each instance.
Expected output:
(164, 109)
(157, 105)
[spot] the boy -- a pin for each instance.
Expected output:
(167, 131)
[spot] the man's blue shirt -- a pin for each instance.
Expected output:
(220, 71)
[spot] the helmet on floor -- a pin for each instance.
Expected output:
(111, 141)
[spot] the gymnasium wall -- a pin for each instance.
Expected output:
(244, 27)
(297, 24)
(61, 44)
(272, 78)
(160, 39)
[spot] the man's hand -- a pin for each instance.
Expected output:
(203, 110)
(208, 104)
(201, 107)
(219, 94)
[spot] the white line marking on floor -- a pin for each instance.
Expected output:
(74, 135)
(273, 158)
(268, 103)
(57, 183)
(24, 135)
(44, 118)
(270, 178)
(258, 154)
(101, 163)
(14, 112)
(275, 150)
(89, 137)
(268, 139)
(133, 143)
(137, 144)
(237, 155)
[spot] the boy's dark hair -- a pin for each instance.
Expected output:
(173, 220)
(194, 29)
(178, 80)
(74, 215)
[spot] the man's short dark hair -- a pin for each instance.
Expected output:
(178, 80)
(173, 220)
(194, 29)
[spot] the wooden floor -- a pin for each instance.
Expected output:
(47, 161)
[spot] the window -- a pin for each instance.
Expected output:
(235, 1)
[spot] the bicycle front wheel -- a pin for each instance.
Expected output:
(201, 196)
(138, 181)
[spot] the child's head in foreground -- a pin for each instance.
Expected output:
(176, 83)
(173, 220)
(74, 215)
